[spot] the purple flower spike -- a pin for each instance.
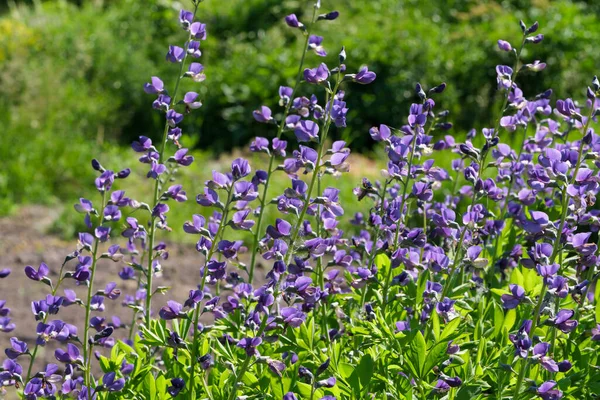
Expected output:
(38, 275)
(175, 54)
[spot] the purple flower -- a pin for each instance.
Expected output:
(156, 86)
(41, 273)
(381, 133)
(316, 75)
(111, 384)
(250, 345)
(364, 76)
(292, 21)
(196, 72)
(194, 49)
(182, 158)
(293, 317)
(260, 144)
(173, 118)
(71, 356)
(510, 301)
(177, 385)
(504, 45)
(314, 43)
(191, 100)
(262, 115)
(547, 392)
(175, 54)
(198, 31)
(240, 168)
(307, 131)
(563, 322)
(176, 193)
(186, 18)
(171, 311)
(16, 349)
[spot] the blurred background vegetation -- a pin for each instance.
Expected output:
(71, 74)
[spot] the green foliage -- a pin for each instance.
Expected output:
(72, 72)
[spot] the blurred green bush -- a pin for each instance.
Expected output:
(71, 73)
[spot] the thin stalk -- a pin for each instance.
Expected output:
(375, 237)
(156, 198)
(36, 347)
(490, 273)
(286, 112)
(209, 255)
(313, 180)
(296, 228)
(87, 346)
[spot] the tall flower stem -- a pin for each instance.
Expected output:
(157, 186)
(270, 171)
(298, 225)
(196, 318)
(88, 307)
(490, 273)
(37, 345)
(296, 228)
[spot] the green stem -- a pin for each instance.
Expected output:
(86, 353)
(520, 379)
(211, 252)
(323, 139)
(156, 198)
(286, 112)
(490, 273)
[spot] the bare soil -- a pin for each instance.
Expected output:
(23, 241)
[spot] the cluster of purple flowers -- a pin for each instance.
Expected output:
(441, 261)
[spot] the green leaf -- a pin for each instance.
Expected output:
(419, 351)
(517, 277)
(436, 325)
(450, 328)
(498, 320)
(365, 370)
(509, 319)
(150, 386)
(435, 356)
(597, 298)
